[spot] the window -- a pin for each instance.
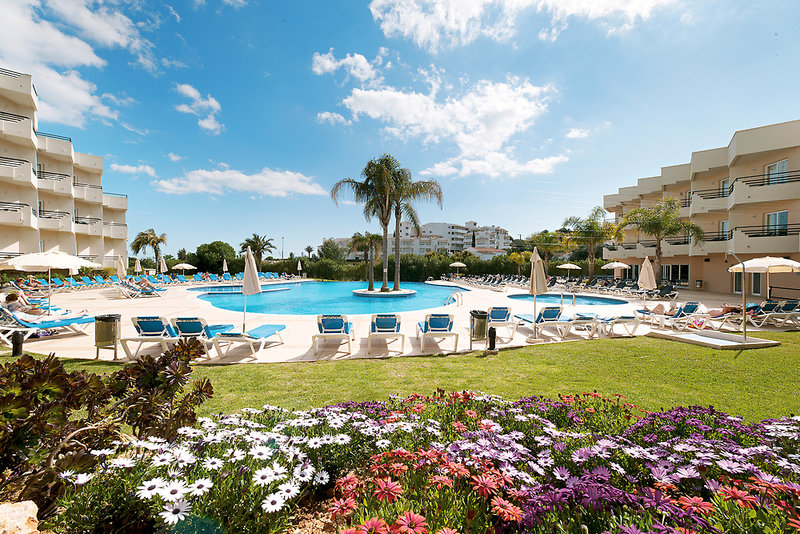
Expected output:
(39, 169)
(776, 173)
(723, 229)
(41, 208)
(777, 223)
(737, 282)
(724, 185)
(756, 287)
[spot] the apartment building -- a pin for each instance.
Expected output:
(746, 198)
(51, 197)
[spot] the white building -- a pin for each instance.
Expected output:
(51, 197)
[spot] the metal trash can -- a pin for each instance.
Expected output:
(478, 322)
(106, 332)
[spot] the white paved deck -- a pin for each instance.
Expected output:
(179, 301)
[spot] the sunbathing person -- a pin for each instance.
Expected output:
(145, 284)
(15, 304)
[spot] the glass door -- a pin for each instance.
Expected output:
(723, 187)
(776, 173)
(778, 223)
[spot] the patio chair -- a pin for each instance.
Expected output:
(333, 327)
(226, 277)
(256, 336)
(150, 329)
(240, 276)
(89, 282)
(766, 312)
(666, 292)
(182, 279)
(437, 326)
(100, 281)
(385, 326)
(501, 316)
(214, 277)
(11, 322)
(130, 291)
(629, 324)
(197, 327)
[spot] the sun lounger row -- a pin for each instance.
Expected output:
(593, 324)
(11, 322)
(769, 313)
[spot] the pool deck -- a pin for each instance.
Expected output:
(179, 301)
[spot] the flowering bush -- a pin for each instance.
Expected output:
(455, 463)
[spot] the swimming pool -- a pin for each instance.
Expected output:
(314, 298)
(580, 300)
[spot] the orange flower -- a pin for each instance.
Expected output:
(472, 414)
(387, 490)
(505, 510)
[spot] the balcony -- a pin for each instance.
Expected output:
(113, 230)
(772, 240)
(17, 129)
(19, 171)
(713, 243)
(18, 88)
(88, 226)
(54, 182)
(622, 250)
(675, 246)
(708, 200)
(56, 146)
(59, 221)
(88, 192)
(115, 201)
(765, 188)
(89, 163)
(15, 214)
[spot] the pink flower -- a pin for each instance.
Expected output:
(472, 414)
(342, 507)
(387, 490)
(411, 523)
(375, 525)
(418, 408)
(484, 485)
(447, 530)
(505, 510)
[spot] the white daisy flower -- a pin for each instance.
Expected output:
(173, 491)
(122, 463)
(263, 476)
(151, 487)
(163, 459)
(314, 443)
(200, 487)
(261, 452)
(66, 475)
(304, 474)
(83, 478)
(383, 443)
(103, 452)
(321, 478)
(289, 490)
(175, 512)
(212, 464)
(342, 439)
(235, 455)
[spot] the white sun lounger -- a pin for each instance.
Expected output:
(256, 336)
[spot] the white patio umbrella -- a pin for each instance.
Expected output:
(224, 265)
(40, 261)
(457, 265)
(538, 283)
(121, 269)
(184, 266)
(616, 265)
(250, 283)
(569, 267)
(138, 267)
(163, 265)
(647, 279)
(766, 264)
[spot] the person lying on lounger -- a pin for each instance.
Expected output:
(659, 309)
(145, 284)
(14, 303)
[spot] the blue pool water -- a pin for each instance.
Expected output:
(313, 298)
(580, 300)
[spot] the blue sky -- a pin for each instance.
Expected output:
(221, 118)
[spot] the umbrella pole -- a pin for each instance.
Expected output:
(535, 324)
(244, 317)
(49, 291)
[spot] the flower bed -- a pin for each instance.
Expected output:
(459, 462)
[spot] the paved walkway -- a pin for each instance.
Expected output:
(179, 301)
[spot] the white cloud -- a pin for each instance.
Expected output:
(355, 65)
(205, 108)
(134, 169)
(217, 182)
(494, 165)
(578, 133)
(235, 3)
(173, 13)
(174, 157)
(436, 24)
(173, 63)
(331, 118)
(119, 100)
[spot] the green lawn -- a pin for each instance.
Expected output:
(650, 372)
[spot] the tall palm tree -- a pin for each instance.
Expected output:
(590, 232)
(547, 243)
(309, 249)
(259, 244)
(406, 192)
(374, 242)
(375, 192)
(661, 222)
(149, 239)
(359, 244)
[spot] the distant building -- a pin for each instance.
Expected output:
(485, 253)
(51, 197)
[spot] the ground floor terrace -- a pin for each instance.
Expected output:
(297, 346)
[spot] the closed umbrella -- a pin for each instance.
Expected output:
(163, 265)
(299, 266)
(250, 283)
(538, 283)
(647, 279)
(767, 264)
(224, 265)
(54, 259)
(138, 267)
(122, 271)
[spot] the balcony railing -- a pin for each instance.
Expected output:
(12, 117)
(759, 180)
(53, 214)
(109, 223)
(115, 194)
(11, 73)
(12, 206)
(46, 175)
(12, 162)
(79, 184)
(678, 240)
(770, 230)
(88, 257)
(6, 255)
(686, 201)
(54, 136)
(718, 236)
(87, 220)
(714, 192)
(648, 243)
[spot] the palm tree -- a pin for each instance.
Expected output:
(406, 192)
(518, 259)
(309, 249)
(259, 244)
(375, 192)
(590, 232)
(359, 244)
(150, 239)
(374, 242)
(548, 243)
(660, 222)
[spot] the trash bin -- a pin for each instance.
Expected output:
(478, 321)
(106, 332)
